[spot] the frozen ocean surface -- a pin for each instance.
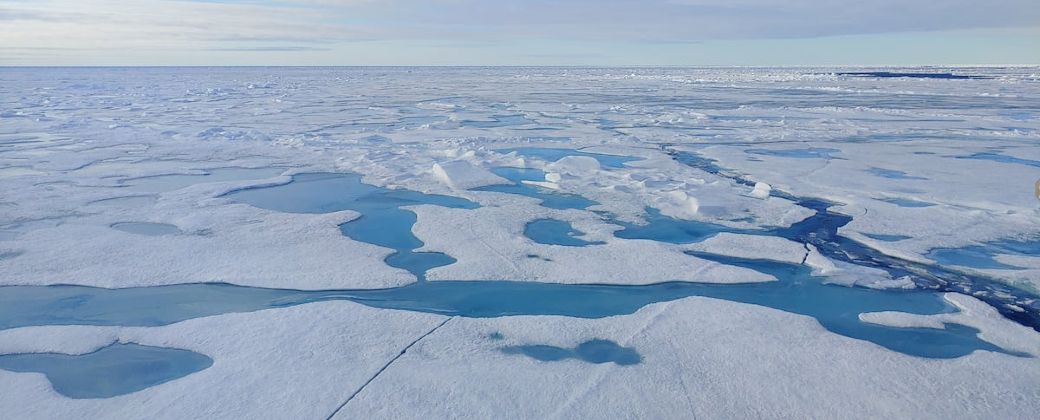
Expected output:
(416, 242)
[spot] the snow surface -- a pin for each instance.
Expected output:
(299, 362)
(701, 358)
(694, 353)
(753, 247)
(489, 245)
(83, 150)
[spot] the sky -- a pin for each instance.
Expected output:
(514, 32)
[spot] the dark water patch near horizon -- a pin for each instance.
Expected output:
(910, 75)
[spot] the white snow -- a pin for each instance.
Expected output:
(753, 247)
(299, 362)
(577, 166)
(761, 190)
(701, 358)
(489, 245)
(61, 230)
(677, 204)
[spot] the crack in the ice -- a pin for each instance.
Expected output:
(931, 276)
(385, 366)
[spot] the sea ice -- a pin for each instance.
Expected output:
(702, 346)
(294, 362)
(489, 245)
(121, 177)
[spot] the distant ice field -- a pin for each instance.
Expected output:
(332, 242)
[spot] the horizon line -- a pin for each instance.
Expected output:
(965, 65)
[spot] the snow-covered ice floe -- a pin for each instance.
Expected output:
(353, 243)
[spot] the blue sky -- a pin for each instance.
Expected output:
(512, 32)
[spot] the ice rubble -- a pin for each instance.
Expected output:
(658, 181)
(761, 190)
(462, 175)
(838, 272)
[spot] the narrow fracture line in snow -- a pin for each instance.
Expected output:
(380, 371)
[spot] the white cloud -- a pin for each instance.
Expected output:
(51, 26)
(109, 24)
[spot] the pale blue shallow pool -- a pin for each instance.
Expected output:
(383, 221)
(146, 228)
(886, 238)
(556, 232)
(983, 255)
(548, 198)
(907, 202)
(807, 153)
(592, 351)
(116, 369)
(661, 228)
